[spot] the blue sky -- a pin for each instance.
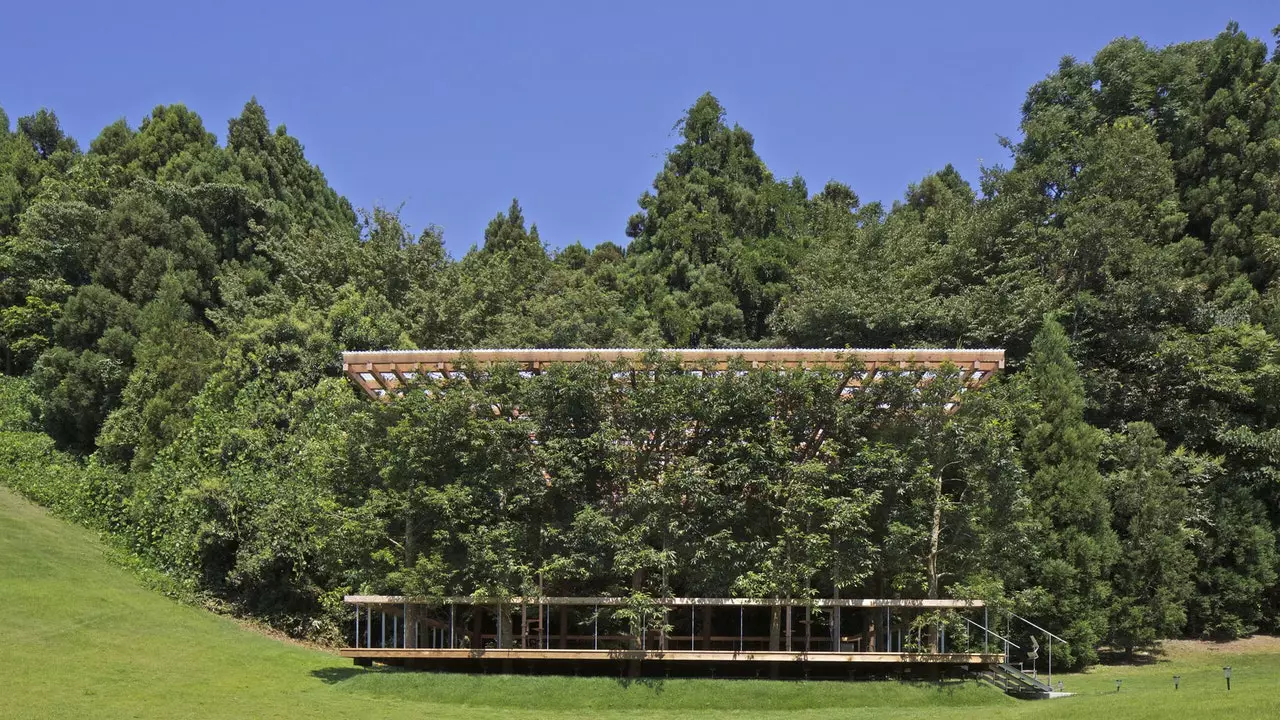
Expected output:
(452, 109)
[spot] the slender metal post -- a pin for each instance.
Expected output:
(368, 626)
(395, 631)
(742, 646)
(693, 621)
(453, 611)
(1050, 661)
(986, 626)
(888, 631)
(357, 625)
(595, 630)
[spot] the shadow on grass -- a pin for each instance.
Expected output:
(335, 675)
(655, 684)
(1139, 658)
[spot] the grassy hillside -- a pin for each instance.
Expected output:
(81, 638)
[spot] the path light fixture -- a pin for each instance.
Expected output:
(1176, 679)
(1226, 673)
(1117, 686)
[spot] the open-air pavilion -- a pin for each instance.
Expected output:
(692, 635)
(581, 634)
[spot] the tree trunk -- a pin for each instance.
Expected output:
(935, 534)
(504, 626)
(637, 625)
(410, 552)
(477, 627)
(524, 625)
(808, 628)
(835, 621)
(775, 627)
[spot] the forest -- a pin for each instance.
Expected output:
(173, 309)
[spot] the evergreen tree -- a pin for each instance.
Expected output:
(1152, 578)
(1072, 547)
(714, 244)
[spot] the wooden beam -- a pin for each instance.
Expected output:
(690, 357)
(977, 366)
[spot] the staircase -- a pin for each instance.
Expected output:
(1016, 683)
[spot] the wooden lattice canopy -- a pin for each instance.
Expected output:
(381, 372)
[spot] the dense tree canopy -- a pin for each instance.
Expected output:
(172, 311)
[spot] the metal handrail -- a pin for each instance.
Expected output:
(1046, 632)
(988, 630)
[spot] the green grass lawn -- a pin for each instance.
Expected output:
(81, 638)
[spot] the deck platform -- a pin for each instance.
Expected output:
(700, 656)
(678, 636)
(681, 663)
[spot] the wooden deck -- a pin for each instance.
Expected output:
(696, 656)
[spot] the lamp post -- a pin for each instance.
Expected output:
(1226, 672)
(1176, 680)
(1117, 686)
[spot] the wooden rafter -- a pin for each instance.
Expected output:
(366, 368)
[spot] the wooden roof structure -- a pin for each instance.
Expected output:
(383, 372)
